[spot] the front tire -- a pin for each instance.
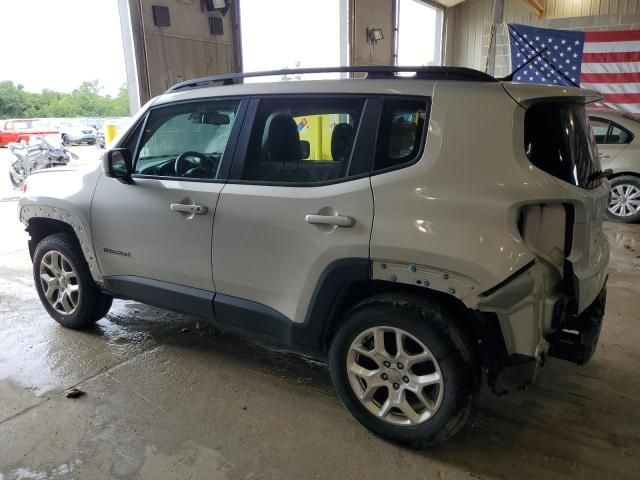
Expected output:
(64, 284)
(403, 370)
(624, 199)
(14, 182)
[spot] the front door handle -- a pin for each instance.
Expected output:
(604, 156)
(337, 220)
(186, 208)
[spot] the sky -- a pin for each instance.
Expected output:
(416, 42)
(304, 31)
(58, 44)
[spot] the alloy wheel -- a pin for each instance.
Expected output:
(395, 376)
(59, 282)
(624, 200)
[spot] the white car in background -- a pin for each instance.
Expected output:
(617, 135)
(73, 130)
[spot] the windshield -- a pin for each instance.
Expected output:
(22, 124)
(558, 139)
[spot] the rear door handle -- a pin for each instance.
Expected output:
(337, 220)
(185, 208)
(604, 155)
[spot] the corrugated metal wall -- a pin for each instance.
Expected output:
(583, 8)
(464, 27)
(468, 24)
(184, 50)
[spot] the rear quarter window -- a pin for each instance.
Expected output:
(401, 133)
(558, 139)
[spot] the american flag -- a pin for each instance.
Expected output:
(608, 62)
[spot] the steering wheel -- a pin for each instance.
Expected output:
(194, 164)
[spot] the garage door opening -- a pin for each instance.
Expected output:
(419, 33)
(299, 34)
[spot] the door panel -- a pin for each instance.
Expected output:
(299, 198)
(609, 152)
(264, 249)
(137, 233)
(159, 227)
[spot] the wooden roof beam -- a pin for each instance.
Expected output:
(535, 5)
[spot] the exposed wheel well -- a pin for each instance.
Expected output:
(624, 174)
(356, 292)
(39, 228)
(481, 332)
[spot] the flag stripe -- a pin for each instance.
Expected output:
(612, 87)
(611, 57)
(610, 77)
(629, 107)
(622, 97)
(608, 47)
(616, 36)
(621, 67)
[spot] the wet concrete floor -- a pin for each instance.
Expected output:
(165, 403)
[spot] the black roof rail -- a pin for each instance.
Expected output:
(371, 71)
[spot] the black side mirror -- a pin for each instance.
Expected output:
(306, 149)
(116, 163)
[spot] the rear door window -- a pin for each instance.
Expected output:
(600, 129)
(618, 135)
(558, 139)
(303, 141)
(607, 132)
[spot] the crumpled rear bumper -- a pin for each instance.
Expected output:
(578, 336)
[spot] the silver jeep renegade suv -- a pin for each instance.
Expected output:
(425, 234)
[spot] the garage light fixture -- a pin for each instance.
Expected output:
(374, 35)
(216, 5)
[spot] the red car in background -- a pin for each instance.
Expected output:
(20, 130)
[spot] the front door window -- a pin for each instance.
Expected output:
(186, 140)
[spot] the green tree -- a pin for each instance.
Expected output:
(12, 99)
(85, 101)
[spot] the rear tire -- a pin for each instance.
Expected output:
(624, 199)
(443, 379)
(64, 283)
(66, 140)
